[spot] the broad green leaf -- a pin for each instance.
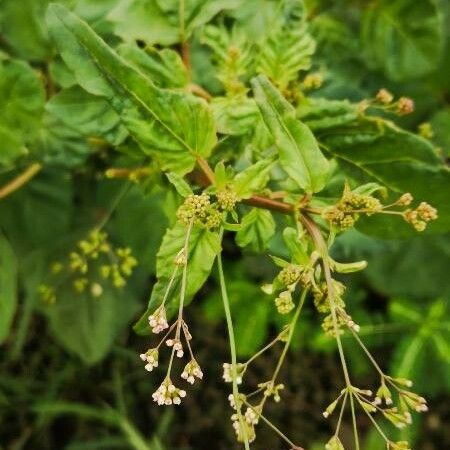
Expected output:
(288, 47)
(252, 179)
(39, 212)
(246, 300)
(235, 115)
(440, 124)
(420, 355)
(298, 149)
(258, 226)
(403, 38)
(87, 114)
(158, 21)
(99, 321)
(297, 248)
(397, 159)
(180, 185)
(173, 127)
(393, 264)
(22, 98)
(8, 286)
(164, 67)
(204, 245)
(323, 114)
(60, 145)
(22, 25)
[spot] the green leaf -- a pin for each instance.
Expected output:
(246, 300)
(158, 21)
(173, 127)
(99, 321)
(288, 47)
(299, 151)
(87, 114)
(204, 246)
(8, 286)
(258, 226)
(252, 179)
(164, 67)
(22, 96)
(40, 211)
(322, 114)
(397, 159)
(21, 24)
(180, 185)
(403, 38)
(297, 248)
(235, 115)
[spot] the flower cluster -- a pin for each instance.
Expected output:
(420, 216)
(158, 320)
(199, 210)
(192, 371)
(403, 106)
(227, 199)
(286, 282)
(93, 260)
(228, 372)
(347, 211)
(168, 394)
(151, 358)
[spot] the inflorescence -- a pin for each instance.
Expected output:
(95, 262)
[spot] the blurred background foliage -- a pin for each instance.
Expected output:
(69, 373)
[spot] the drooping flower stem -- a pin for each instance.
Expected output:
(226, 306)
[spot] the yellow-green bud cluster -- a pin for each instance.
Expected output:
(290, 274)
(313, 81)
(426, 131)
(47, 294)
(321, 300)
(89, 259)
(420, 216)
(284, 302)
(227, 199)
(347, 211)
(384, 96)
(198, 209)
(120, 269)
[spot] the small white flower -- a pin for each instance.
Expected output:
(158, 320)
(191, 371)
(228, 371)
(168, 394)
(151, 358)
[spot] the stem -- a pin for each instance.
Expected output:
(341, 414)
(20, 180)
(274, 428)
(322, 248)
(182, 294)
(226, 307)
(378, 428)
(366, 351)
(291, 333)
(355, 428)
(260, 352)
